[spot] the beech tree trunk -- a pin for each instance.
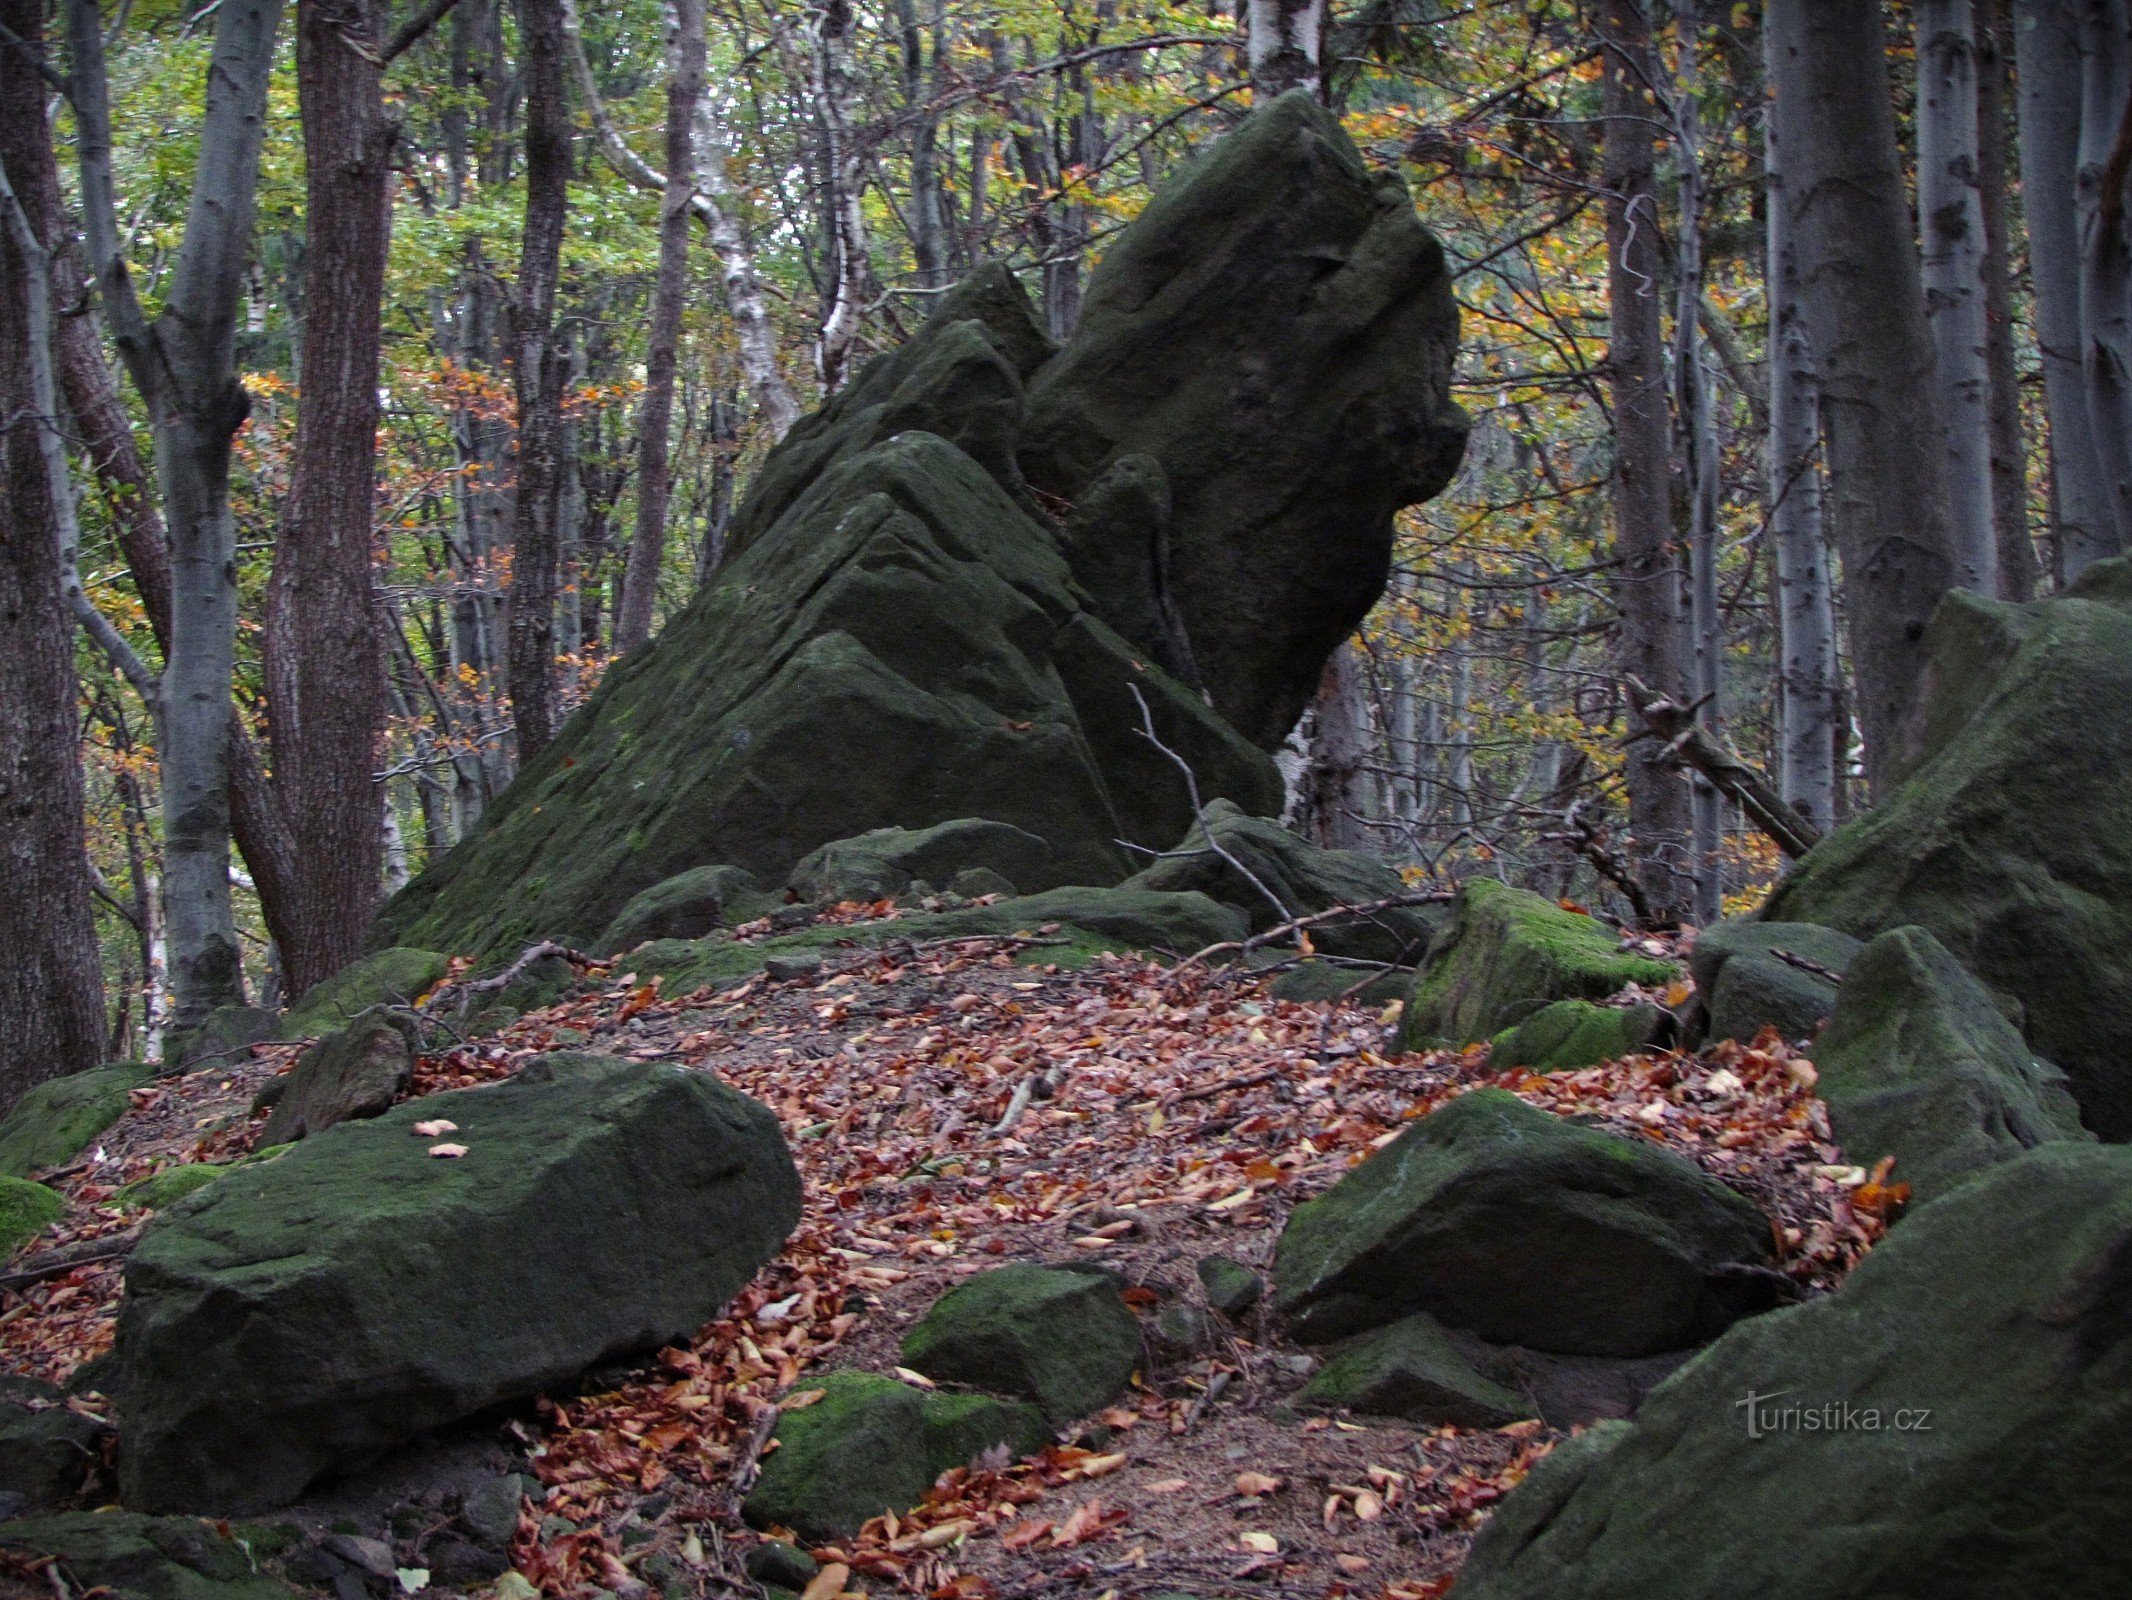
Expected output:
(51, 985)
(1283, 42)
(1849, 224)
(2106, 250)
(184, 366)
(647, 545)
(1950, 216)
(2047, 53)
(2009, 447)
(1334, 803)
(1646, 576)
(844, 180)
(538, 375)
(1809, 703)
(325, 662)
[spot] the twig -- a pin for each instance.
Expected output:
(464, 992)
(1789, 958)
(82, 1253)
(742, 1477)
(1590, 843)
(1298, 924)
(1250, 1080)
(1037, 1086)
(1215, 1387)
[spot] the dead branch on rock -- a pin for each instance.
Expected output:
(1295, 925)
(1581, 834)
(464, 993)
(1739, 780)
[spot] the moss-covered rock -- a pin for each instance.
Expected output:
(686, 906)
(395, 977)
(871, 1444)
(306, 1313)
(1413, 1370)
(1313, 981)
(53, 1122)
(885, 862)
(1062, 1338)
(1919, 1064)
(1746, 982)
(354, 1072)
(1273, 337)
(144, 1558)
(1506, 954)
(1303, 877)
(167, 1187)
(1232, 1288)
(26, 1210)
(1519, 1226)
(1576, 1033)
(2011, 841)
(47, 1451)
(223, 1039)
(1948, 1425)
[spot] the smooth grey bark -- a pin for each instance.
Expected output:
(2009, 445)
(1649, 642)
(1334, 805)
(1809, 711)
(1283, 42)
(835, 90)
(2106, 250)
(1697, 417)
(1864, 307)
(2047, 56)
(51, 984)
(1950, 219)
(184, 365)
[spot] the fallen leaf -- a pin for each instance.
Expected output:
(1351, 1564)
(1369, 1505)
(801, 1401)
(1254, 1484)
(1024, 1534)
(920, 1379)
(1169, 1485)
(435, 1129)
(827, 1583)
(448, 1152)
(1264, 1544)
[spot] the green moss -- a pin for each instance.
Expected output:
(1413, 1370)
(398, 976)
(159, 1189)
(1063, 1339)
(145, 1558)
(26, 1210)
(1575, 1033)
(1507, 954)
(54, 1121)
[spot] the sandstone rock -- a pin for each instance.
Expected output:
(54, 1121)
(1413, 1370)
(1575, 1033)
(885, 862)
(1064, 1339)
(26, 1210)
(304, 1314)
(353, 1073)
(144, 1558)
(1746, 985)
(1521, 1227)
(394, 977)
(686, 906)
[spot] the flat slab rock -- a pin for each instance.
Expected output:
(1524, 1228)
(302, 1315)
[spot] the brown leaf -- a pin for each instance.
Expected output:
(827, 1583)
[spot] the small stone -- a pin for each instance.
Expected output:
(489, 1513)
(373, 1556)
(790, 969)
(1182, 1329)
(1064, 1339)
(1232, 1288)
(776, 1562)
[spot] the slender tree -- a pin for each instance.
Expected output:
(2047, 55)
(1647, 577)
(2106, 248)
(1860, 289)
(51, 988)
(539, 373)
(834, 24)
(1283, 42)
(184, 365)
(2009, 446)
(1950, 218)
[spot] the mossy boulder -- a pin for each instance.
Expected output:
(2011, 840)
(871, 1444)
(1318, 980)
(1524, 1228)
(1948, 1425)
(886, 862)
(1505, 955)
(54, 1122)
(1259, 379)
(1575, 1033)
(48, 1452)
(686, 906)
(144, 1558)
(1065, 1339)
(221, 1040)
(1747, 983)
(304, 1314)
(26, 1210)
(1414, 1370)
(1231, 1288)
(169, 1186)
(1919, 1064)
(1302, 876)
(398, 976)
(354, 1072)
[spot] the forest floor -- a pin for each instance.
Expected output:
(1172, 1115)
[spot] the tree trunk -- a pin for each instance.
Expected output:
(325, 661)
(1283, 42)
(1698, 427)
(1950, 219)
(1808, 709)
(184, 365)
(2106, 250)
(1859, 284)
(538, 375)
(844, 180)
(1647, 582)
(647, 545)
(2047, 51)
(51, 985)
(2009, 450)
(1334, 805)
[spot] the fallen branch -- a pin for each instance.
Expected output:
(742, 1478)
(82, 1253)
(465, 992)
(1294, 925)
(1219, 1382)
(1584, 837)
(1250, 1080)
(1792, 959)
(1688, 741)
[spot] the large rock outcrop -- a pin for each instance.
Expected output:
(907, 632)
(2011, 840)
(1949, 1425)
(304, 1314)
